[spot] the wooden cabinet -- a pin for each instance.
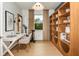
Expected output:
(64, 28)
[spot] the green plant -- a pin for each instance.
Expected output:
(38, 26)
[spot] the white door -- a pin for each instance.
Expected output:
(38, 27)
(38, 34)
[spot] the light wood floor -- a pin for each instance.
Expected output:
(39, 48)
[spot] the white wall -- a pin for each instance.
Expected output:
(25, 18)
(1, 10)
(0, 18)
(0, 28)
(11, 7)
(38, 12)
(51, 11)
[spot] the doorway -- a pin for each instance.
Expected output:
(38, 22)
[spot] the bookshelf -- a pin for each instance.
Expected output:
(65, 28)
(54, 28)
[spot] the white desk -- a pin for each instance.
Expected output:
(12, 40)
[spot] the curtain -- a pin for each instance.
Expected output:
(45, 24)
(31, 20)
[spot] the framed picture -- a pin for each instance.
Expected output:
(9, 21)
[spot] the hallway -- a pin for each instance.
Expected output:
(39, 48)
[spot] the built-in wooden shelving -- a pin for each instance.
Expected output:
(64, 23)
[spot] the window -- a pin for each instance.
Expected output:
(38, 22)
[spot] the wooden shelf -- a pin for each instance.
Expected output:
(65, 14)
(55, 19)
(64, 23)
(66, 42)
(55, 25)
(58, 18)
(51, 24)
(66, 4)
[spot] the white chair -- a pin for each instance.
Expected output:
(25, 40)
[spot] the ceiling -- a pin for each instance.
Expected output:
(47, 5)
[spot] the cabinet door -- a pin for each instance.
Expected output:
(74, 16)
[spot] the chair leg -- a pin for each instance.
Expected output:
(30, 45)
(18, 47)
(26, 46)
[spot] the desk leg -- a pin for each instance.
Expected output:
(7, 49)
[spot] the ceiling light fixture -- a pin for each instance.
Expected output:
(38, 6)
